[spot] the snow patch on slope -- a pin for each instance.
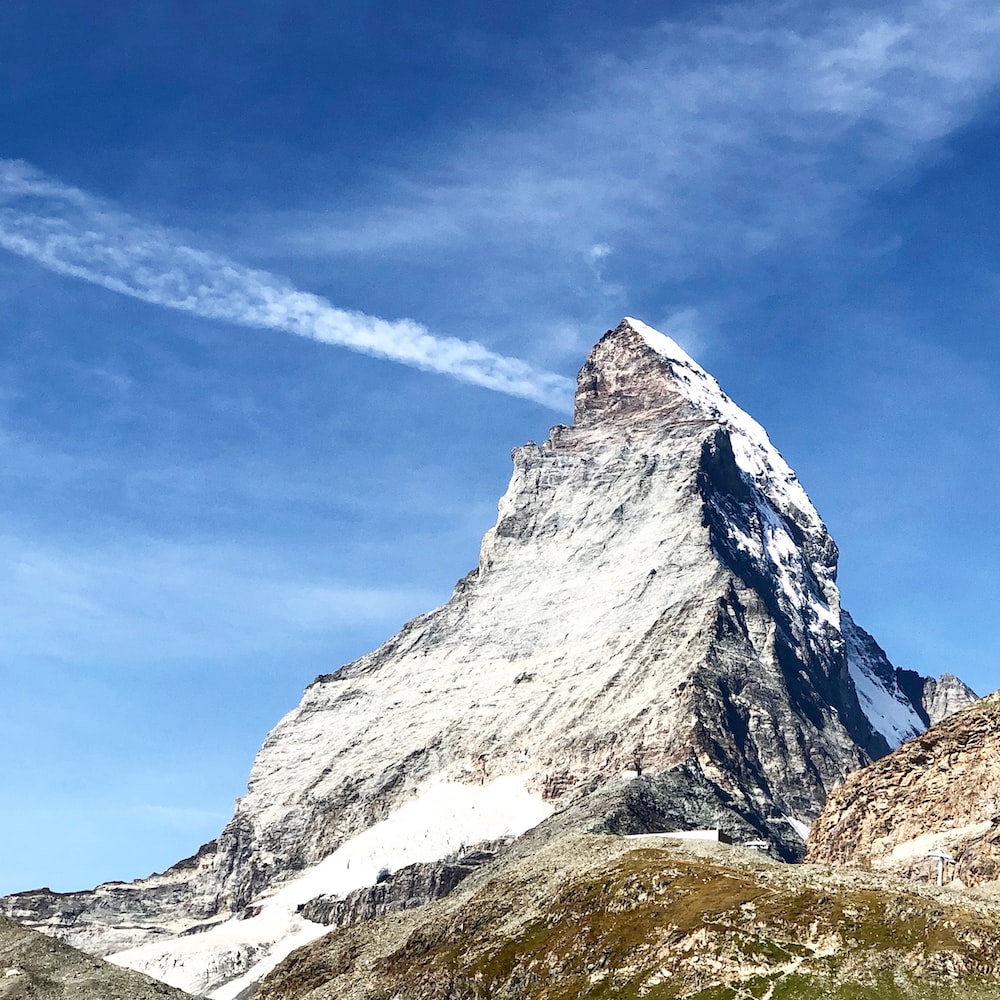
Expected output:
(888, 710)
(786, 558)
(238, 952)
(799, 826)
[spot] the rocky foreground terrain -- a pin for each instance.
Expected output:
(603, 916)
(940, 790)
(36, 967)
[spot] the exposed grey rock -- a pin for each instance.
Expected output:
(945, 696)
(119, 915)
(405, 889)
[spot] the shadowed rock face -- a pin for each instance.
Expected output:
(410, 887)
(940, 790)
(658, 595)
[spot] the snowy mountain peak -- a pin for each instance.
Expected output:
(629, 373)
(637, 372)
(652, 639)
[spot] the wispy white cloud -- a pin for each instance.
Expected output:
(690, 148)
(73, 233)
(182, 601)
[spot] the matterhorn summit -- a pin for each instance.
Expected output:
(652, 639)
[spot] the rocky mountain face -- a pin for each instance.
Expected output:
(939, 791)
(34, 966)
(654, 626)
(944, 696)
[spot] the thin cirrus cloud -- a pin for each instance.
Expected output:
(185, 601)
(691, 148)
(73, 233)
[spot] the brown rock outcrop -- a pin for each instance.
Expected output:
(939, 790)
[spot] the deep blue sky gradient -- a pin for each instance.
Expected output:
(198, 517)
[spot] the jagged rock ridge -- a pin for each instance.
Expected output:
(658, 595)
(939, 791)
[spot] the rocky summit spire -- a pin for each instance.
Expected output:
(630, 375)
(652, 639)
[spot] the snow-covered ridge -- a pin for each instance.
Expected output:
(752, 447)
(887, 708)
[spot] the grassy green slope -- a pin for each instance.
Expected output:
(661, 923)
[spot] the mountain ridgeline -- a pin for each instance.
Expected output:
(652, 640)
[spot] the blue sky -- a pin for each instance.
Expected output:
(283, 283)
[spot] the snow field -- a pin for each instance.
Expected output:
(443, 817)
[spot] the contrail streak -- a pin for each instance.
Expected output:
(73, 233)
